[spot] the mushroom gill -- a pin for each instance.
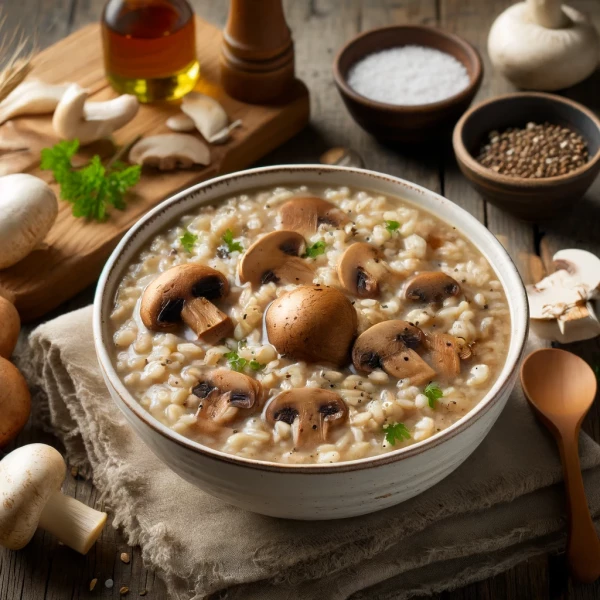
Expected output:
(392, 346)
(430, 287)
(311, 412)
(361, 270)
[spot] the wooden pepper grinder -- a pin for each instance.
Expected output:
(257, 53)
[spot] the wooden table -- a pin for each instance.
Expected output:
(46, 571)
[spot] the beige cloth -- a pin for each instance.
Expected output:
(499, 508)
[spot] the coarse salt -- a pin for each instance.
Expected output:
(408, 75)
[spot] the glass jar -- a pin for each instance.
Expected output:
(150, 48)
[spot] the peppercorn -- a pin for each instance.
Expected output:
(536, 151)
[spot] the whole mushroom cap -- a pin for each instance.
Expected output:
(10, 325)
(312, 323)
(15, 402)
(30, 475)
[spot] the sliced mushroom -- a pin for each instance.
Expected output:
(312, 323)
(208, 115)
(431, 286)
(169, 151)
(311, 412)
(560, 305)
(361, 269)
(276, 257)
(305, 214)
(445, 354)
(184, 293)
(75, 118)
(223, 392)
(391, 346)
(32, 97)
(181, 123)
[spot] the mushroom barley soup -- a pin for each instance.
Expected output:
(309, 325)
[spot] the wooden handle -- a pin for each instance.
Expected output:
(583, 545)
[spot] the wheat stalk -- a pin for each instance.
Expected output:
(16, 54)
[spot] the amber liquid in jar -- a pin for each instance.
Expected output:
(150, 48)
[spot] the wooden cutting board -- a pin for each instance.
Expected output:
(77, 249)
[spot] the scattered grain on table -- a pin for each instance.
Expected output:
(93, 583)
(124, 591)
(109, 583)
(125, 557)
(143, 592)
(74, 471)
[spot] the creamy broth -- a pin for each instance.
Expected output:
(166, 372)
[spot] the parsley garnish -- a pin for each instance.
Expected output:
(315, 249)
(433, 393)
(231, 245)
(93, 188)
(188, 240)
(392, 226)
(256, 366)
(395, 432)
(236, 362)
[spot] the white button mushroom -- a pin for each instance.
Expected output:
(28, 209)
(543, 45)
(30, 497)
(561, 305)
(31, 98)
(75, 118)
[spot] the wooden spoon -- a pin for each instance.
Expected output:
(561, 388)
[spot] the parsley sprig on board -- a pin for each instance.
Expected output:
(92, 189)
(396, 432)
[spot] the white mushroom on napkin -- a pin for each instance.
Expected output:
(561, 304)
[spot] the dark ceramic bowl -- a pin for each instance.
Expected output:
(406, 123)
(529, 199)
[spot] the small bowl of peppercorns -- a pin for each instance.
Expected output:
(532, 154)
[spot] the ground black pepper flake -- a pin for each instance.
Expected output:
(535, 151)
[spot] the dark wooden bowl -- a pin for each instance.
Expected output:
(529, 199)
(406, 123)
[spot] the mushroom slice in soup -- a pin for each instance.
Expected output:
(276, 257)
(305, 214)
(222, 393)
(361, 270)
(430, 287)
(445, 353)
(311, 412)
(392, 346)
(185, 293)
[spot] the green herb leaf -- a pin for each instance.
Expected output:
(315, 249)
(188, 240)
(396, 432)
(392, 226)
(433, 393)
(231, 245)
(256, 366)
(93, 188)
(236, 362)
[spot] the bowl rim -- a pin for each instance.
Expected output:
(113, 269)
(463, 95)
(464, 156)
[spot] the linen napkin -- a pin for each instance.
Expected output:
(503, 505)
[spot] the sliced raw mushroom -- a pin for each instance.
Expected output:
(311, 412)
(305, 214)
(392, 346)
(361, 270)
(76, 118)
(345, 157)
(312, 323)
(561, 305)
(276, 257)
(181, 123)
(185, 293)
(445, 354)
(169, 151)
(209, 117)
(223, 392)
(30, 497)
(32, 97)
(431, 286)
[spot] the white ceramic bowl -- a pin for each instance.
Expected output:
(313, 491)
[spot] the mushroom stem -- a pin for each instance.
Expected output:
(548, 13)
(72, 522)
(206, 320)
